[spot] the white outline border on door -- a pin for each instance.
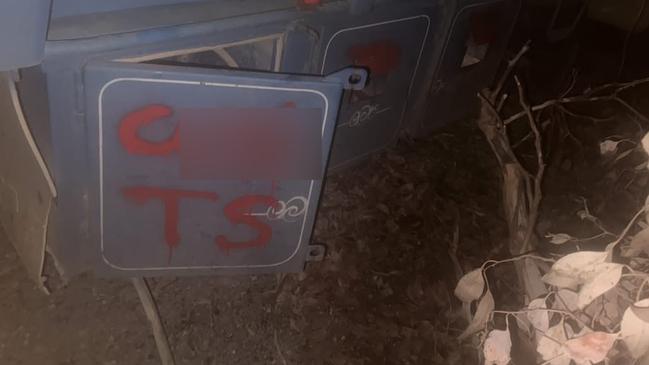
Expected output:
(412, 79)
(199, 83)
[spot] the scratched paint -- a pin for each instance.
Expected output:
(288, 211)
(364, 115)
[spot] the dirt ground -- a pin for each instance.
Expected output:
(383, 294)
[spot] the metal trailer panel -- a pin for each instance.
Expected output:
(473, 51)
(153, 218)
(292, 41)
(391, 47)
(23, 24)
(63, 8)
(72, 19)
(74, 238)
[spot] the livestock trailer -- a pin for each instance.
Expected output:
(149, 137)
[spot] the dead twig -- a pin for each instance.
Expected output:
(626, 230)
(452, 253)
(521, 189)
(627, 39)
(594, 119)
(587, 215)
(152, 314)
(494, 112)
(573, 82)
(537, 193)
(638, 296)
(511, 64)
(500, 146)
(591, 95)
(279, 349)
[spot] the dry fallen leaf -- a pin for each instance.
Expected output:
(570, 332)
(470, 286)
(590, 348)
(634, 331)
(559, 238)
(550, 346)
(533, 279)
(523, 323)
(482, 313)
(566, 300)
(612, 310)
(560, 281)
(641, 312)
(575, 268)
(645, 143)
(623, 154)
(538, 318)
(608, 146)
(606, 277)
(497, 348)
(639, 243)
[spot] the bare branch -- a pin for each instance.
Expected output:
(573, 82)
(627, 39)
(503, 78)
(494, 112)
(583, 116)
(612, 245)
(638, 296)
(633, 110)
(590, 96)
(537, 194)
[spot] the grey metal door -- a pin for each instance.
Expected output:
(391, 48)
(207, 169)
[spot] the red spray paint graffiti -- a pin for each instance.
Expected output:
(170, 199)
(289, 104)
(238, 212)
(134, 144)
(380, 57)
